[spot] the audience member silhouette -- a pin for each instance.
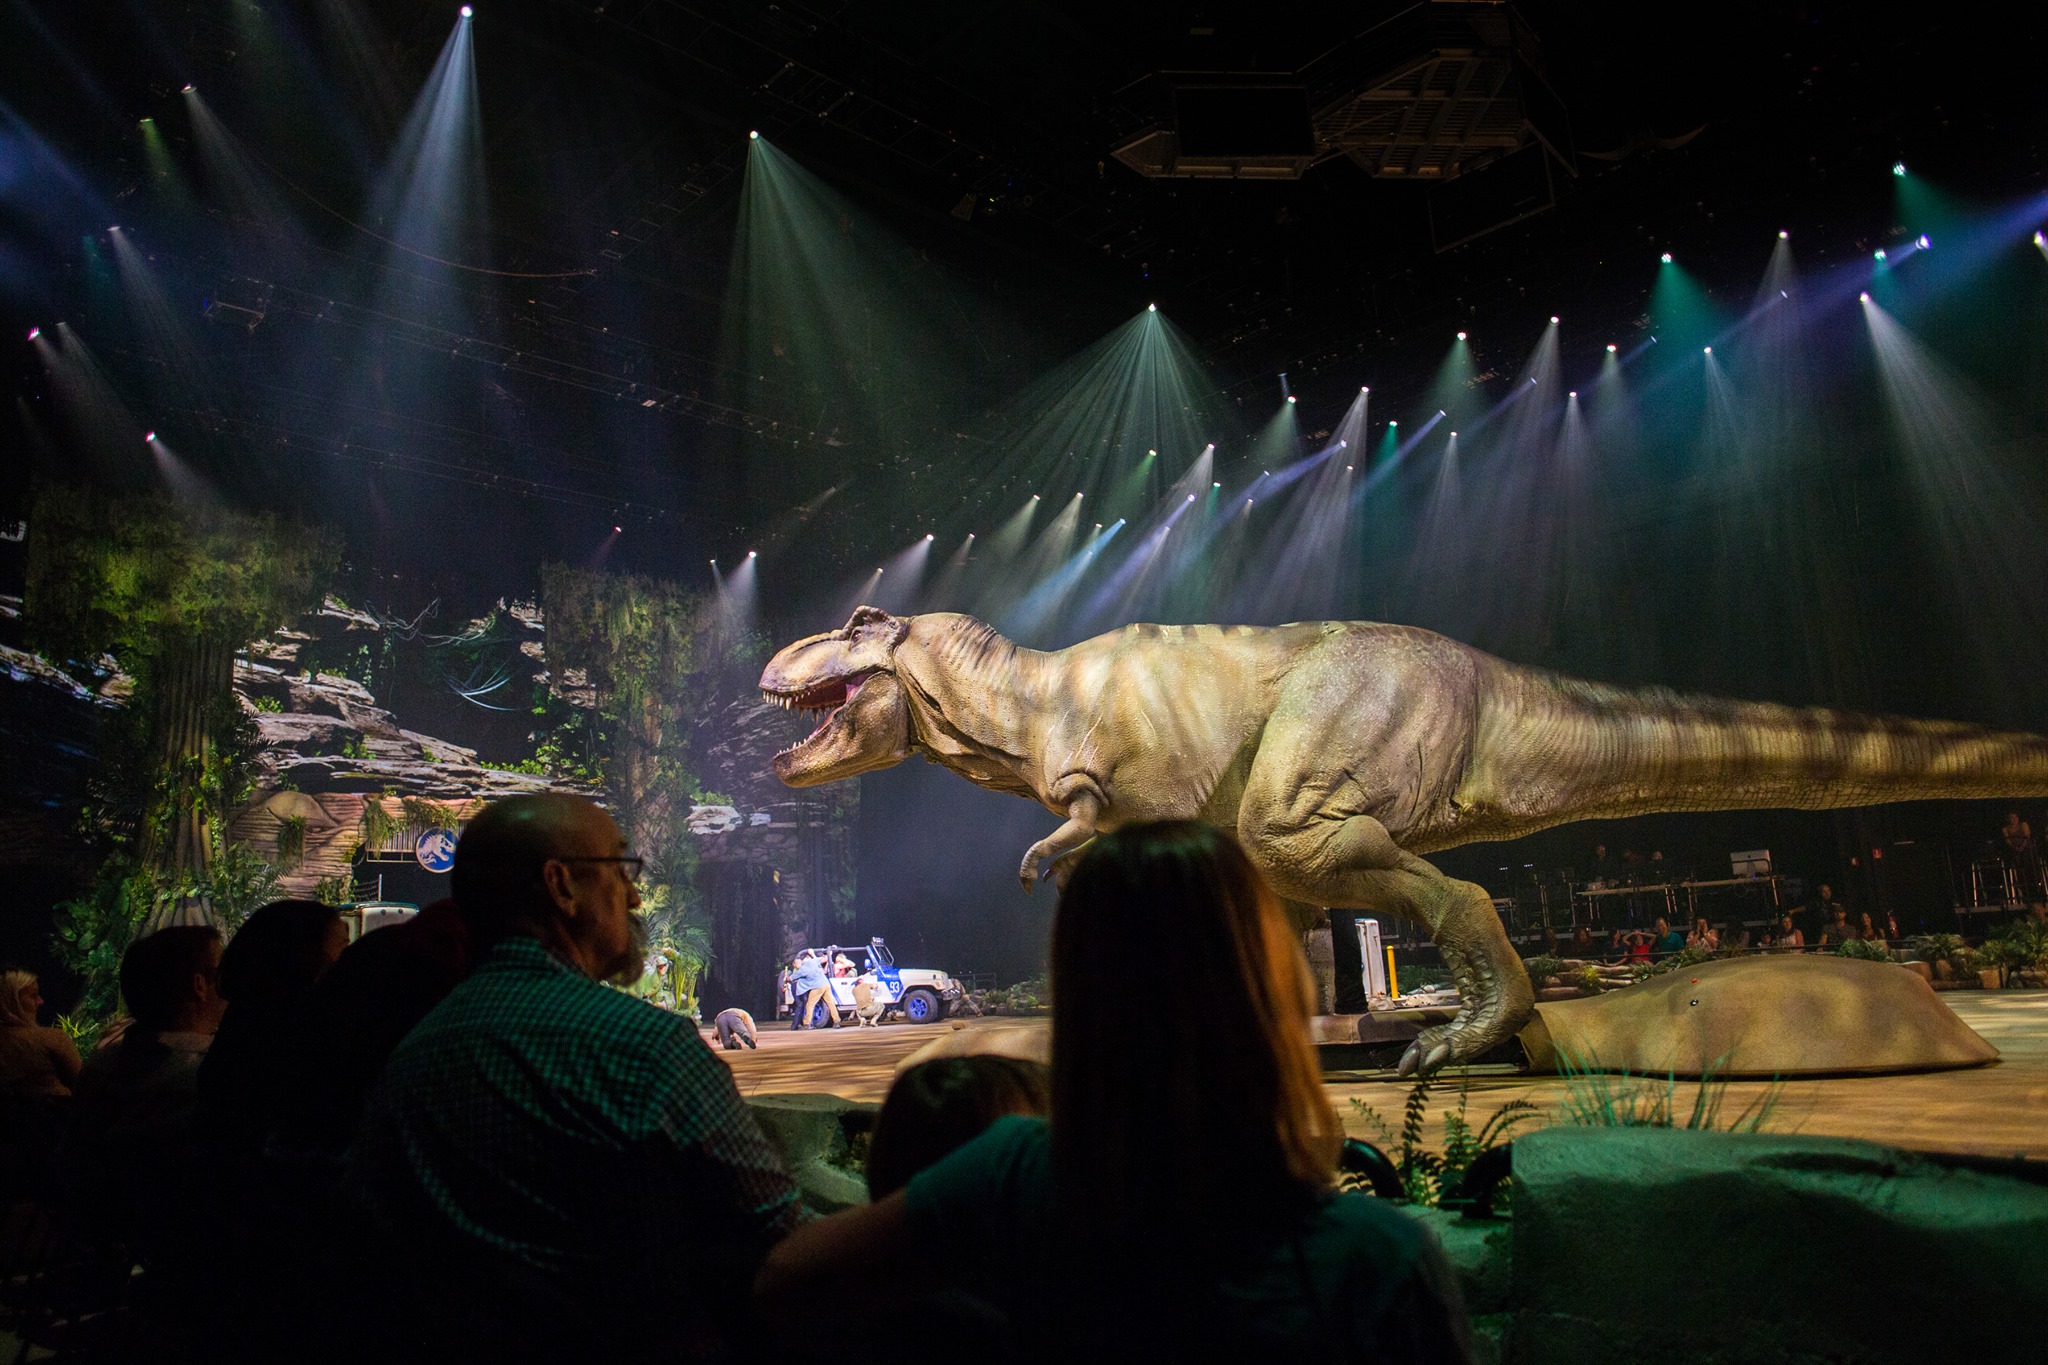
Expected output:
(266, 975)
(38, 1067)
(1178, 1203)
(377, 991)
(129, 1157)
(938, 1106)
(544, 1161)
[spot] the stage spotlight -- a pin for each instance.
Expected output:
(1347, 469)
(1706, 350)
(1898, 168)
(2039, 240)
(1392, 423)
(1461, 336)
(188, 90)
(467, 11)
(35, 332)
(756, 554)
(1034, 497)
(1151, 307)
(1573, 395)
(1290, 398)
(1610, 348)
(1454, 436)
(145, 120)
(618, 530)
(714, 559)
(927, 535)
(113, 227)
(754, 135)
(149, 437)
(1553, 319)
(1863, 298)
(1191, 497)
(1215, 485)
(1923, 242)
(1783, 235)
(1878, 254)
(1666, 258)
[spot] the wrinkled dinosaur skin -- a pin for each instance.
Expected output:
(1339, 752)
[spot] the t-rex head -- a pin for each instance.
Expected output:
(849, 674)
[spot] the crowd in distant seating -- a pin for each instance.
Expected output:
(452, 1139)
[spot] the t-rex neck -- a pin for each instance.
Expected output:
(976, 700)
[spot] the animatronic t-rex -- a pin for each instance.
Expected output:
(1340, 751)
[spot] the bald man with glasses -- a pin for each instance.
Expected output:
(545, 1158)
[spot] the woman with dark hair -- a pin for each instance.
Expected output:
(1179, 1200)
(269, 966)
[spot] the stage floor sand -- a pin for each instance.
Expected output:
(1997, 1110)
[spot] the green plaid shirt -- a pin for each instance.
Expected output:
(544, 1155)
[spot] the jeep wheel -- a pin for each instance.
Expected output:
(921, 1006)
(819, 1019)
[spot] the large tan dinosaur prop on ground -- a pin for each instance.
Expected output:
(1341, 751)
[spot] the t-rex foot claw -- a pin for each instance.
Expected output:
(1475, 1032)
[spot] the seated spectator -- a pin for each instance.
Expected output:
(266, 975)
(534, 1146)
(38, 1067)
(1667, 939)
(1639, 942)
(128, 1158)
(1836, 931)
(382, 985)
(1617, 946)
(938, 1106)
(1173, 1206)
(1789, 934)
(1703, 935)
(1582, 943)
(735, 1029)
(1867, 931)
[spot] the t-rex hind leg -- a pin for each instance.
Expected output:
(1352, 862)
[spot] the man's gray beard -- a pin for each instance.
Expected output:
(632, 965)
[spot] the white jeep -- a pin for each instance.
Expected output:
(921, 994)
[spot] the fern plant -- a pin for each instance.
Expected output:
(1426, 1176)
(291, 842)
(379, 825)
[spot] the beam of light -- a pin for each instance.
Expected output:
(736, 601)
(1092, 421)
(1042, 604)
(833, 328)
(430, 197)
(945, 593)
(179, 376)
(166, 181)
(90, 408)
(1414, 438)
(1111, 601)
(903, 576)
(234, 180)
(184, 483)
(866, 594)
(1961, 466)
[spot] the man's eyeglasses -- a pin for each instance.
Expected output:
(631, 864)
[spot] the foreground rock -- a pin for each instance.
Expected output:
(1790, 1015)
(1634, 1244)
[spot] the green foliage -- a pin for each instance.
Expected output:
(83, 1030)
(1428, 1176)
(418, 813)
(291, 842)
(122, 576)
(1588, 978)
(269, 705)
(1602, 1099)
(683, 938)
(379, 825)
(2020, 946)
(1543, 966)
(355, 747)
(1863, 949)
(334, 890)
(1949, 948)
(1024, 997)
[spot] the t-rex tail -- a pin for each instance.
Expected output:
(1621, 751)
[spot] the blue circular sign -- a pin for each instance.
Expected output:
(435, 849)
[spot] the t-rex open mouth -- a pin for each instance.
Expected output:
(827, 696)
